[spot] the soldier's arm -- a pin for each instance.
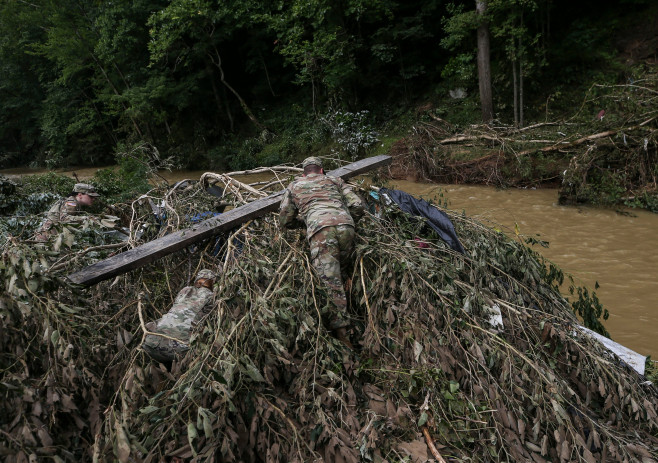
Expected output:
(288, 212)
(353, 202)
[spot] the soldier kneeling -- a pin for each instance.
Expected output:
(191, 304)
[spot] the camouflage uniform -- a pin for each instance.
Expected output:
(65, 210)
(324, 203)
(191, 304)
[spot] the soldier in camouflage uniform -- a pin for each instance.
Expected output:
(327, 206)
(191, 304)
(66, 210)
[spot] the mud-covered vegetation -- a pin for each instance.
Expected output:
(431, 374)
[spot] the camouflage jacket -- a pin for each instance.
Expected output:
(321, 201)
(64, 210)
(190, 305)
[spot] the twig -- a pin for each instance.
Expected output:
(230, 245)
(262, 170)
(430, 444)
(289, 422)
(278, 272)
(365, 297)
(582, 140)
(227, 180)
(462, 138)
(536, 126)
(82, 253)
(143, 325)
(438, 119)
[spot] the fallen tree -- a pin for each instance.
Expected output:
(433, 374)
(606, 158)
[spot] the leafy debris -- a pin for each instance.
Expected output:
(264, 380)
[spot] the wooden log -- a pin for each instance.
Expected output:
(153, 250)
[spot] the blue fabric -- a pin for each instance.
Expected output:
(438, 220)
(200, 216)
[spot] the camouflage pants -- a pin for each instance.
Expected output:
(331, 248)
(190, 305)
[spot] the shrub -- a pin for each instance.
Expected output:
(351, 131)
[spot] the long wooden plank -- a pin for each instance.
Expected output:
(148, 252)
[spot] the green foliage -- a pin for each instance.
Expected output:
(35, 204)
(359, 45)
(21, 94)
(461, 112)
(621, 169)
(116, 185)
(651, 370)
(50, 182)
(80, 79)
(352, 132)
(517, 34)
(25, 200)
(589, 309)
(137, 164)
(459, 26)
(647, 200)
(7, 190)
(532, 170)
(460, 70)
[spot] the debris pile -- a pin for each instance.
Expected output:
(606, 153)
(456, 357)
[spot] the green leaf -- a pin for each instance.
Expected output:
(191, 435)
(254, 374)
(423, 419)
(149, 409)
(207, 426)
(454, 386)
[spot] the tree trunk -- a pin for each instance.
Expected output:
(520, 92)
(520, 54)
(243, 104)
(484, 65)
(516, 94)
(267, 74)
(218, 100)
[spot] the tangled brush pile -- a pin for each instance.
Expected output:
(432, 373)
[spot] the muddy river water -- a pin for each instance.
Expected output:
(619, 251)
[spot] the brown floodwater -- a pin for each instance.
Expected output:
(619, 251)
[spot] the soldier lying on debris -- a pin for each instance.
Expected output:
(171, 334)
(66, 210)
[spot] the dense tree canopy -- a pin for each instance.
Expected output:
(81, 79)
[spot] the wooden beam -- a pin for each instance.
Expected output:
(153, 250)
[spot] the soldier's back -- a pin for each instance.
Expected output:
(320, 202)
(62, 209)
